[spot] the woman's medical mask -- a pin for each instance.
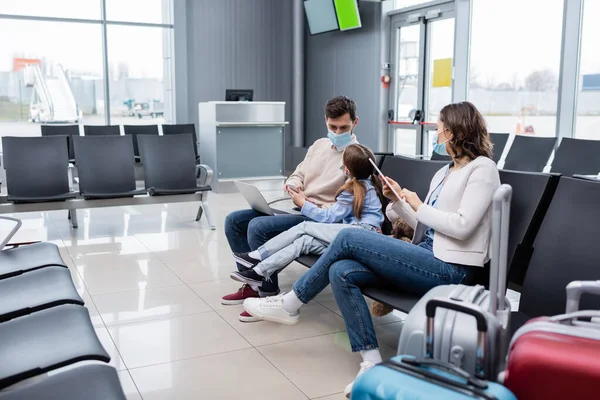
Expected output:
(340, 141)
(440, 148)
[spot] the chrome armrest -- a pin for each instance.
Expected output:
(204, 173)
(12, 232)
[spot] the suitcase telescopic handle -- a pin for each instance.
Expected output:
(482, 328)
(574, 291)
(499, 262)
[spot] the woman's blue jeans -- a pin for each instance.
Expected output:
(358, 258)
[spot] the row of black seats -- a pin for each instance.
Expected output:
(37, 168)
(44, 327)
(551, 237)
(531, 154)
(114, 130)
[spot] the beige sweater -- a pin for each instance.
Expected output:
(319, 173)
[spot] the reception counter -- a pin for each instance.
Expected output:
(242, 141)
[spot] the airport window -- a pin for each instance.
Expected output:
(52, 67)
(514, 72)
(42, 79)
(137, 94)
(408, 3)
(588, 99)
(148, 11)
(83, 9)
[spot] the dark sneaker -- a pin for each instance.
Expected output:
(245, 292)
(247, 276)
(245, 260)
(247, 317)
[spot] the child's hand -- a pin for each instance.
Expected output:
(298, 197)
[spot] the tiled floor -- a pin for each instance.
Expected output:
(152, 279)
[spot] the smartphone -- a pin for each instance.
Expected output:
(385, 179)
(292, 186)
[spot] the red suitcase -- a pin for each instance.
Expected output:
(557, 357)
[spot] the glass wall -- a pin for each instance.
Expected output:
(587, 124)
(53, 70)
(515, 63)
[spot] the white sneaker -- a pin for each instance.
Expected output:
(270, 309)
(364, 367)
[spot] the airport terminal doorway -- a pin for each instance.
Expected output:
(422, 75)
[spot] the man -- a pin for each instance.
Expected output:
(318, 175)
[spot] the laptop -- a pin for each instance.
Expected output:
(256, 200)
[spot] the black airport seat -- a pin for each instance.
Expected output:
(36, 290)
(412, 173)
(178, 129)
(499, 141)
(106, 167)
(565, 250)
(529, 153)
(19, 260)
(169, 164)
(63, 130)
(577, 157)
(85, 382)
(47, 340)
(36, 169)
(135, 130)
(101, 130)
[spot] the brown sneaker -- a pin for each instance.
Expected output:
(247, 317)
(245, 292)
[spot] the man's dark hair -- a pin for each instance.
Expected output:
(339, 106)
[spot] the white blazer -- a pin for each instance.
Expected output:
(463, 218)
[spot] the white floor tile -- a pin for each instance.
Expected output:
(131, 392)
(241, 374)
(148, 304)
(174, 339)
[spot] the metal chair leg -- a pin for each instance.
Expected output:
(207, 211)
(73, 215)
(200, 211)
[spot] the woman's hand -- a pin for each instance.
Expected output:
(387, 192)
(298, 197)
(411, 198)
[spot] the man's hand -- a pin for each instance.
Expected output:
(387, 192)
(411, 198)
(298, 197)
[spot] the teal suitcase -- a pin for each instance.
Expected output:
(406, 378)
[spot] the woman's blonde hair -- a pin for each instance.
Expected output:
(356, 159)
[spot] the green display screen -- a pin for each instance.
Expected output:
(347, 14)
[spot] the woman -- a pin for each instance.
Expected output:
(452, 236)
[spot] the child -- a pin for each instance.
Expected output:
(358, 204)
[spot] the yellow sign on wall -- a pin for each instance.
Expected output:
(442, 72)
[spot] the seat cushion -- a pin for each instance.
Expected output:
(36, 290)
(165, 192)
(58, 197)
(131, 193)
(47, 340)
(86, 382)
(27, 258)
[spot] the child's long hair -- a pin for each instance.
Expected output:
(356, 159)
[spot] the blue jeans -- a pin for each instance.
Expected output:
(357, 259)
(247, 230)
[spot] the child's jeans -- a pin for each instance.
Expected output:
(304, 238)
